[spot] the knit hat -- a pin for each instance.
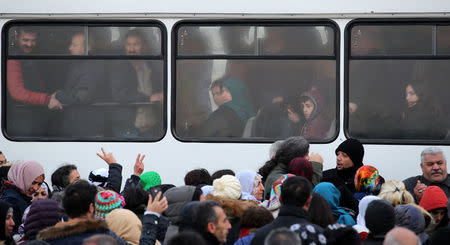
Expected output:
(368, 180)
(354, 149)
(301, 167)
(227, 186)
(99, 177)
(410, 217)
(380, 217)
(105, 202)
(43, 213)
(433, 198)
(150, 179)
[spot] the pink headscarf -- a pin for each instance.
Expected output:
(23, 173)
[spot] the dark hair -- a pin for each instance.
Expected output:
(320, 211)
(206, 214)
(135, 33)
(282, 236)
(197, 193)
(217, 83)
(291, 148)
(101, 239)
(197, 177)
(78, 197)
(338, 234)
(256, 217)
(187, 238)
(61, 177)
(295, 191)
(27, 29)
(219, 173)
(136, 199)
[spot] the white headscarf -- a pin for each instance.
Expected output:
(360, 220)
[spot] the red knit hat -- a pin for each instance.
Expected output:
(433, 198)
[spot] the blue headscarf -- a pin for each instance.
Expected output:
(240, 102)
(332, 194)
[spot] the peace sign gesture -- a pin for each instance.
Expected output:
(107, 157)
(139, 165)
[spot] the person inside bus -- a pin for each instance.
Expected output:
(421, 116)
(136, 81)
(434, 172)
(25, 86)
(306, 116)
(83, 86)
(235, 108)
(349, 158)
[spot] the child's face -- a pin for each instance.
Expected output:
(308, 108)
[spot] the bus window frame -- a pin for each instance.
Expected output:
(348, 56)
(257, 23)
(82, 23)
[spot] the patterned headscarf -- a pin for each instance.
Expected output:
(367, 180)
(275, 192)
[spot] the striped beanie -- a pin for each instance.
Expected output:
(107, 201)
(150, 179)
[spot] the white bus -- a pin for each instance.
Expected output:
(141, 77)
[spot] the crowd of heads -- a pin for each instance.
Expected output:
(280, 204)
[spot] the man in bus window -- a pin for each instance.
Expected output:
(434, 172)
(25, 87)
(83, 87)
(136, 81)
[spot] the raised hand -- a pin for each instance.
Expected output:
(139, 165)
(107, 157)
(159, 205)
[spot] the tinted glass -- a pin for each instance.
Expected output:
(402, 99)
(256, 99)
(388, 40)
(85, 99)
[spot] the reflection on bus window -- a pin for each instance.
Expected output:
(250, 97)
(398, 99)
(91, 99)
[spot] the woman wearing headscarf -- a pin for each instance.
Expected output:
(274, 204)
(331, 194)
(234, 110)
(6, 224)
(360, 226)
(24, 179)
(252, 187)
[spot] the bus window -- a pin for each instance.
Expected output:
(397, 88)
(88, 83)
(248, 82)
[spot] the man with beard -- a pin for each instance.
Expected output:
(434, 172)
(349, 158)
(136, 81)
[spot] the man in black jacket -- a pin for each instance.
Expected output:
(295, 200)
(349, 158)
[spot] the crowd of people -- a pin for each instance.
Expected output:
(288, 200)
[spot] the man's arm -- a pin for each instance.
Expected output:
(16, 87)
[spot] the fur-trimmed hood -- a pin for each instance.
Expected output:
(233, 207)
(76, 227)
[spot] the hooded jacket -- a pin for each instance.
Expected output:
(75, 231)
(332, 195)
(177, 198)
(314, 127)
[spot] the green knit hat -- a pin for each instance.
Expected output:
(150, 179)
